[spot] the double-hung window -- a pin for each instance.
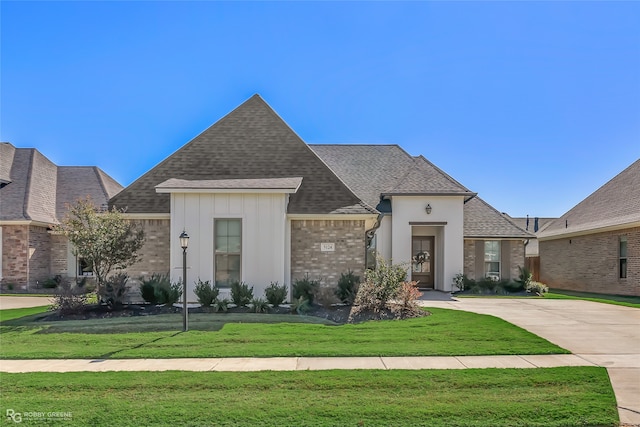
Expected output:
(492, 259)
(623, 257)
(228, 251)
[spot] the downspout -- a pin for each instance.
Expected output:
(369, 235)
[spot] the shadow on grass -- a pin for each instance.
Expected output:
(135, 347)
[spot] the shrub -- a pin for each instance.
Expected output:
(347, 287)
(381, 285)
(221, 305)
(206, 292)
(53, 282)
(524, 278)
(304, 288)
(300, 305)
(241, 294)
(158, 289)
(459, 281)
(275, 294)
(258, 305)
(407, 298)
(69, 299)
(537, 288)
(114, 289)
(513, 287)
(325, 296)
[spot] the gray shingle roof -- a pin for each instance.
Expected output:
(7, 151)
(616, 203)
(251, 142)
(481, 220)
(373, 170)
(39, 190)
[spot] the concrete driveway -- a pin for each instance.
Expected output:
(604, 334)
(23, 302)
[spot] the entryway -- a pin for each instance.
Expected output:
(422, 261)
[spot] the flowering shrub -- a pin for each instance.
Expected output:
(407, 298)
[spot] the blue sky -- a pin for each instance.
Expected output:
(533, 105)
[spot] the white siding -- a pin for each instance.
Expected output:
(264, 244)
(449, 240)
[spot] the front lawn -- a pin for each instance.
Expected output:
(624, 300)
(444, 333)
(574, 396)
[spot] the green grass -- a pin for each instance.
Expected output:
(574, 396)
(444, 333)
(627, 301)
(17, 313)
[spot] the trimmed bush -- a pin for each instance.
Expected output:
(241, 294)
(347, 287)
(206, 292)
(114, 289)
(158, 289)
(408, 296)
(275, 294)
(258, 305)
(304, 288)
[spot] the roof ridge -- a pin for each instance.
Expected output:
(103, 187)
(446, 175)
(27, 187)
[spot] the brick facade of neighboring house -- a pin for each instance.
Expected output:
(34, 193)
(307, 256)
(591, 263)
(582, 249)
(512, 257)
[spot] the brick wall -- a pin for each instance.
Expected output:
(15, 244)
(591, 263)
(155, 252)
(512, 256)
(39, 255)
(306, 256)
(58, 256)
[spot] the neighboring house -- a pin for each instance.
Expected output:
(261, 206)
(34, 193)
(595, 247)
(536, 226)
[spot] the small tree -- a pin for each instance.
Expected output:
(106, 240)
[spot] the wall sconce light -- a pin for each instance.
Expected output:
(428, 209)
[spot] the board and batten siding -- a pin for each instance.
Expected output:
(264, 234)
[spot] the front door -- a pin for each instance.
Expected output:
(422, 261)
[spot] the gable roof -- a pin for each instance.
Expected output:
(375, 170)
(614, 205)
(38, 190)
(481, 220)
(251, 142)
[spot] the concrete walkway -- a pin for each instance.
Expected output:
(597, 334)
(7, 303)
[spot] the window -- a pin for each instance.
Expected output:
(623, 257)
(84, 268)
(492, 259)
(228, 251)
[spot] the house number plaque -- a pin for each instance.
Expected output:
(327, 247)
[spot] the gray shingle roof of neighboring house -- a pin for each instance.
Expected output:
(373, 170)
(481, 220)
(251, 142)
(7, 151)
(521, 222)
(38, 189)
(615, 204)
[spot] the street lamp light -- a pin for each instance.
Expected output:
(184, 242)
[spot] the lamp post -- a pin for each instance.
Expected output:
(184, 242)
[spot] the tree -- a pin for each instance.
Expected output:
(106, 240)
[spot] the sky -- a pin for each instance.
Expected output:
(533, 105)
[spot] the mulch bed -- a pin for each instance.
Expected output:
(337, 313)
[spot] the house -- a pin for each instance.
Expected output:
(260, 205)
(595, 246)
(535, 225)
(34, 193)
